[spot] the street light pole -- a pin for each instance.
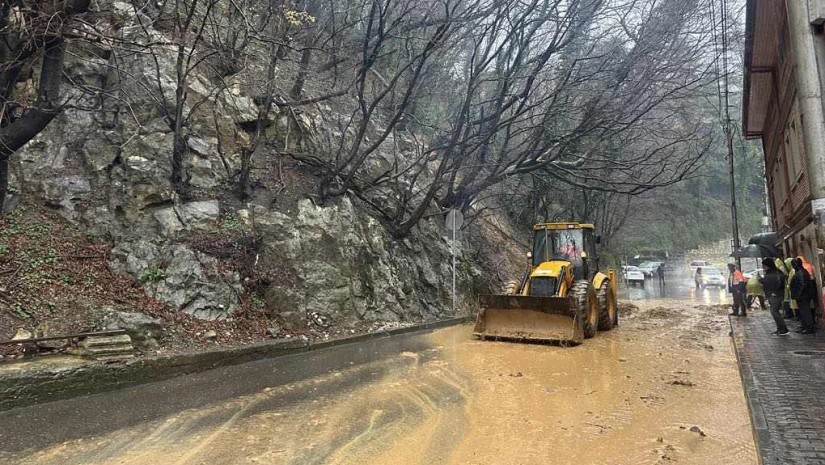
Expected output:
(733, 212)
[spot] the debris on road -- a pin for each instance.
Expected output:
(681, 382)
(696, 429)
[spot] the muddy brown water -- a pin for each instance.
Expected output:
(663, 388)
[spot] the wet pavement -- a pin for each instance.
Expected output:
(679, 285)
(784, 378)
(661, 388)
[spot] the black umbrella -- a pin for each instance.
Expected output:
(769, 238)
(755, 251)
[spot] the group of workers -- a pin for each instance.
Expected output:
(789, 288)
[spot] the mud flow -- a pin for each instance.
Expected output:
(662, 388)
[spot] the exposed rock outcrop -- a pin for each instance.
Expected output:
(109, 172)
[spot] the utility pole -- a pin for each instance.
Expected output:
(733, 214)
(725, 113)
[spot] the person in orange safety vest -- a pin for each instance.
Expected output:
(736, 286)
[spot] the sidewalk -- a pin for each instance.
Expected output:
(784, 381)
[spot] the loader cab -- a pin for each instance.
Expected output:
(572, 242)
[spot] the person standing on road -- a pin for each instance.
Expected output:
(736, 286)
(812, 291)
(773, 284)
(660, 270)
(785, 267)
(697, 277)
(755, 292)
(801, 293)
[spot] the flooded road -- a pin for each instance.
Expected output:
(662, 388)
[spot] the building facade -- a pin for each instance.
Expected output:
(783, 106)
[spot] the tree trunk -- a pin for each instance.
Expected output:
(243, 175)
(180, 146)
(179, 151)
(16, 134)
(4, 180)
(300, 80)
(260, 123)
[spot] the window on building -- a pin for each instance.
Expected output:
(790, 151)
(803, 156)
(779, 177)
(793, 144)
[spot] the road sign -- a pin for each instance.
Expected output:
(453, 223)
(454, 220)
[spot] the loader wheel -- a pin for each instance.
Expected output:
(588, 306)
(608, 315)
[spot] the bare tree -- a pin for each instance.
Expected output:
(200, 39)
(33, 38)
(452, 98)
(274, 36)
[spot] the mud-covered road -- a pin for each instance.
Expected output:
(662, 388)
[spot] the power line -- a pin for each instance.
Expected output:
(725, 69)
(723, 94)
(716, 58)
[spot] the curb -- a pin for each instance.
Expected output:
(759, 426)
(96, 377)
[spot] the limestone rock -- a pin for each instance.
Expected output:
(66, 191)
(192, 281)
(143, 329)
(21, 334)
(141, 181)
(187, 216)
(49, 329)
(107, 348)
(201, 147)
(242, 108)
(200, 172)
(99, 153)
(11, 202)
(274, 330)
(110, 171)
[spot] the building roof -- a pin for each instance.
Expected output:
(762, 33)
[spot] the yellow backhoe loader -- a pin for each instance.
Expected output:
(561, 297)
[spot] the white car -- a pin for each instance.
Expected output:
(649, 268)
(750, 274)
(713, 277)
(694, 264)
(634, 276)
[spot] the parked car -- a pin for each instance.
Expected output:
(694, 264)
(649, 268)
(713, 277)
(634, 276)
(750, 274)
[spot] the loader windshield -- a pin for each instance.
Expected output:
(557, 244)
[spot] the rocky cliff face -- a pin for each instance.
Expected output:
(334, 260)
(108, 171)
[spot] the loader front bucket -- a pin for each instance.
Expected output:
(529, 318)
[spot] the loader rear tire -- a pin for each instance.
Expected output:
(588, 305)
(608, 312)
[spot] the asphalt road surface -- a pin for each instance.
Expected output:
(661, 388)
